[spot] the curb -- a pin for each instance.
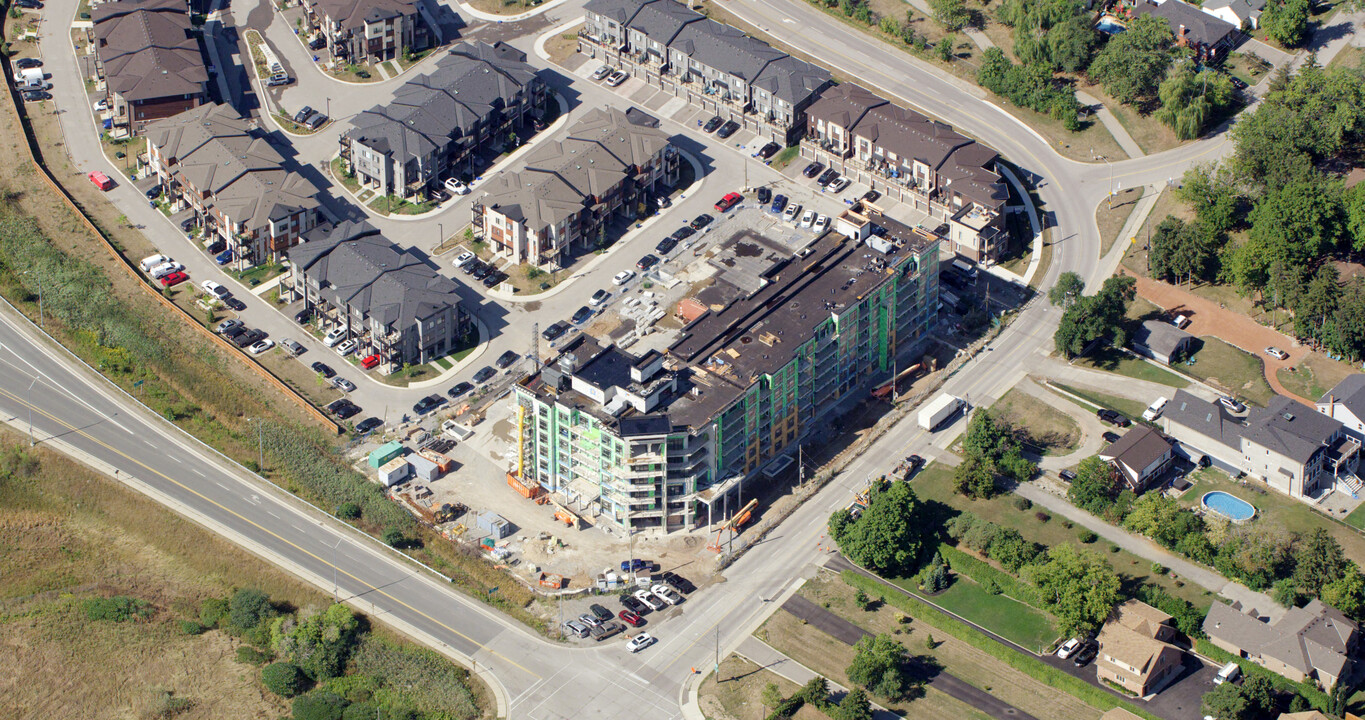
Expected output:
(492, 17)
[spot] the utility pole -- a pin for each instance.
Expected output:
(801, 465)
(335, 594)
(29, 402)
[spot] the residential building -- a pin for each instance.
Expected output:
(1209, 36)
(609, 163)
(1289, 446)
(390, 301)
(437, 123)
(1243, 14)
(912, 158)
(1134, 651)
(666, 440)
(1160, 340)
(218, 163)
(1311, 715)
(371, 31)
(1119, 713)
(1139, 457)
(1315, 642)
(149, 59)
(712, 65)
(1346, 404)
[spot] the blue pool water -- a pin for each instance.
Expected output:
(1229, 506)
(1108, 26)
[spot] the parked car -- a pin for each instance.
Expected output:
(345, 347)
(223, 257)
(100, 180)
(369, 362)
(1276, 353)
(779, 204)
(598, 298)
(36, 96)
(765, 195)
(233, 333)
(730, 200)
(630, 618)
(683, 233)
(248, 338)
(712, 124)
(484, 375)
(808, 218)
(234, 304)
(1181, 321)
(174, 279)
(589, 620)
(469, 267)
(871, 196)
(1068, 647)
(293, 347)
(494, 277)
(1067, 475)
(616, 79)
(343, 384)
(622, 277)
(427, 404)
(1109, 437)
(634, 605)
(437, 195)
(768, 150)
(582, 315)
(303, 316)
(166, 268)
(792, 212)
(214, 289)
(368, 424)
(677, 582)
(555, 330)
(214, 247)
(839, 185)
(602, 614)
(601, 72)
(262, 346)
(278, 79)
(316, 121)
(1113, 418)
(343, 408)
(647, 262)
(456, 187)
(317, 43)
(227, 325)
(28, 4)
(302, 115)
(728, 129)
(813, 169)
(1085, 654)
(640, 642)
(506, 359)
(648, 598)
(459, 389)
(666, 245)
(324, 370)
(827, 177)
(635, 565)
(334, 337)
(463, 258)
(575, 628)
(668, 594)
(27, 63)
(701, 221)
(821, 223)
(1233, 404)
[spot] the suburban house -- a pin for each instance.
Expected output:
(148, 57)
(218, 163)
(667, 440)
(1312, 715)
(1244, 14)
(1160, 340)
(912, 158)
(1139, 457)
(438, 122)
(390, 301)
(372, 31)
(1208, 35)
(1346, 404)
(1313, 642)
(1289, 446)
(610, 163)
(1135, 651)
(711, 65)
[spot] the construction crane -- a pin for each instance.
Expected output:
(733, 524)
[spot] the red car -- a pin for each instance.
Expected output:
(101, 180)
(370, 362)
(174, 279)
(630, 618)
(728, 202)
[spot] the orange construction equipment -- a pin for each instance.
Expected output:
(733, 524)
(565, 515)
(443, 463)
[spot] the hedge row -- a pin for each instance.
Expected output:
(978, 570)
(1026, 664)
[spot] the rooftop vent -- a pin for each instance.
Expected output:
(1288, 416)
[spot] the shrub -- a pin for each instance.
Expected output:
(1088, 537)
(360, 711)
(1160, 569)
(1113, 548)
(348, 511)
(247, 608)
(212, 611)
(283, 679)
(319, 705)
(118, 608)
(251, 656)
(191, 627)
(393, 537)
(990, 586)
(1022, 503)
(1042, 516)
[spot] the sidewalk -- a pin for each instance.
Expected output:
(1091, 430)
(1112, 124)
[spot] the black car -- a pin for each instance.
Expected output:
(153, 192)
(344, 408)
(727, 129)
(634, 605)
(324, 370)
(217, 247)
(234, 332)
(459, 389)
(302, 116)
(1110, 437)
(368, 424)
(600, 612)
(647, 262)
(779, 204)
(813, 169)
(472, 266)
(427, 404)
(1085, 654)
(36, 96)
(1113, 418)
(317, 43)
(27, 63)
(493, 279)
(871, 196)
(28, 4)
(765, 195)
(701, 221)
(484, 375)
(1238, 83)
(683, 233)
(249, 338)
(482, 271)
(234, 304)
(677, 582)
(437, 195)
(583, 315)
(666, 245)
(1067, 475)
(827, 176)
(712, 124)
(506, 359)
(769, 150)
(554, 331)
(303, 316)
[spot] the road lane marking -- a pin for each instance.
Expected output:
(59, 388)
(316, 558)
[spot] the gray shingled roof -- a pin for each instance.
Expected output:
(148, 50)
(1161, 336)
(1290, 428)
(1199, 26)
(1204, 417)
(1136, 450)
(725, 48)
(661, 20)
(353, 14)
(1349, 392)
(619, 10)
(357, 267)
(1312, 638)
(792, 80)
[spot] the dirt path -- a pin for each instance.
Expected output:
(1208, 318)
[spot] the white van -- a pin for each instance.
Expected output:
(152, 261)
(1229, 673)
(967, 269)
(1153, 411)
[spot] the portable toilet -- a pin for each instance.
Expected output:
(384, 453)
(394, 471)
(424, 469)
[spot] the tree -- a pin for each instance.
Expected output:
(1225, 702)
(393, 537)
(1286, 21)
(1028, 86)
(1211, 191)
(1348, 322)
(1353, 203)
(772, 695)
(1299, 221)
(879, 665)
(953, 15)
(1347, 593)
(1095, 486)
(1095, 317)
(247, 608)
(1079, 587)
(815, 691)
(935, 575)
(1069, 286)
(1316, 307)
(1162, 519)
(889, 537)
(1190, 100)
(319, 705)
(854, 706)
(284, 679)
(1054, 34)
(1179, 251)
(1132, 64)
(319, 643)
(975, 477)
(1012, 551)
(945, 48)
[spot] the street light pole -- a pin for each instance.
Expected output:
(335, 594)
(29, 402)
(440, 234)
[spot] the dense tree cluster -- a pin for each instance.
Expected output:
(1095, 317)
(1079, 587)
(1003, 545)
(1189, 100)
(888, 537)
(990, 451)
(1028, 86)
(1254, 698)
(1133, 63)
(880, 664)
(1055, 34)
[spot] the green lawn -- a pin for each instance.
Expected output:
(259, 274)
(1231, 369)
(1002, 615)
(339, 174)
(444, 363)
(1130, 408)
(1314, 377)
(1357, 518)
(1048, 430)
(784, 157)
(1117, 361)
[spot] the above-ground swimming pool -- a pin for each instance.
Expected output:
(1229, 506)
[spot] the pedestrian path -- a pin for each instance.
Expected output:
(1092, 432)
(1112, 124)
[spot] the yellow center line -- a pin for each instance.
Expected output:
(260, 527)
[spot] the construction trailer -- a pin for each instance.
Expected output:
(394, 472)
(423, 469)
(493, 524)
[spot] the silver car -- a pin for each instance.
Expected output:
(575, 628)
